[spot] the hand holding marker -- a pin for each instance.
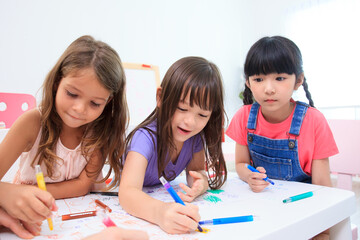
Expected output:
(251, 168)
(174, 195)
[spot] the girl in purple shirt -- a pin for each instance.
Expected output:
(183, 132)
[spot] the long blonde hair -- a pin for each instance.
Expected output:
(107, 132)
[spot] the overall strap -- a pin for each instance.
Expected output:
(299, 114)
(253, 116)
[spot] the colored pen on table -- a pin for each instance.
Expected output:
(78, 215)
(106, 220)
(251, 168)
(216, 221)
(298, 197)
(174, 195)
(103, 205)
(41, 184)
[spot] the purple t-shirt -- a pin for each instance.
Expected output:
(142, 142)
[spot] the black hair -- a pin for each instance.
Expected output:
(275, 54)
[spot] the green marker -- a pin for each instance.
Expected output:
(298, 197)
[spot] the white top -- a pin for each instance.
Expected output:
(72, 164)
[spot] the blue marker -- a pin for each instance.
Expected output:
(216, 221)
(251, 168)
(174, 195)
(298, 197)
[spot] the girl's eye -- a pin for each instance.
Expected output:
(203, 115)
(95, 104)
(71, 94)
(257, 79)
(182, 109)
(280, 78)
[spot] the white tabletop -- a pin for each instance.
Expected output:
(302, 219)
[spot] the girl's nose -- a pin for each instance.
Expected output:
(269, 88)
(189, 120)
(79, 107)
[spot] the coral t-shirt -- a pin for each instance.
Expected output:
(315, 141)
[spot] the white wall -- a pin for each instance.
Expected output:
(35, 33)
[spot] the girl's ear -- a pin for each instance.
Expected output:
(247, 83)
(158, 96)
(299, 81)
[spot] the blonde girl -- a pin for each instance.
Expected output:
(79, 125)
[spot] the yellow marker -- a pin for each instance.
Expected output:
(41, 184)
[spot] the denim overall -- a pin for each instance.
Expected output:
(279, 157)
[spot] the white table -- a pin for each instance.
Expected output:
(303, 219)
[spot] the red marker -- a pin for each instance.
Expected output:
(147, 66)
(78, 215)
(103, 205)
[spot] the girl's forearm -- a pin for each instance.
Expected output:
(242, 171)
(141, 205)
(69, 189)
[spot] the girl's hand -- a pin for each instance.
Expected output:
(256, 180)
(116, 233)
(21, 229)
(175, 218)
(199, 186)
(27, 203)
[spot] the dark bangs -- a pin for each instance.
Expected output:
(203, 90)
(271, 56)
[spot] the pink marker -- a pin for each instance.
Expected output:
(106, 219)
(108, 222)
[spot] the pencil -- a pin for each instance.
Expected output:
(41, 184)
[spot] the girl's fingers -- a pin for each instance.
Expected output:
(185, 197)
(33, 228)
(29, 214)
(14, 225)
(186, 189)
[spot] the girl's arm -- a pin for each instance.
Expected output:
(20, 138)
(320, 171)
(79, 186)
(171, 217)
(196, 178)
(27, 203)
(255, 180)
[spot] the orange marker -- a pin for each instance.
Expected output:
(103, 205)
(78, 215)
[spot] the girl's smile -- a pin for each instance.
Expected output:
(188, 120)
(80, 98)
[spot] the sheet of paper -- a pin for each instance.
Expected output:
(212, 204)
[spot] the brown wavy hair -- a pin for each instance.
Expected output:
(202, 79)
(107, 132)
